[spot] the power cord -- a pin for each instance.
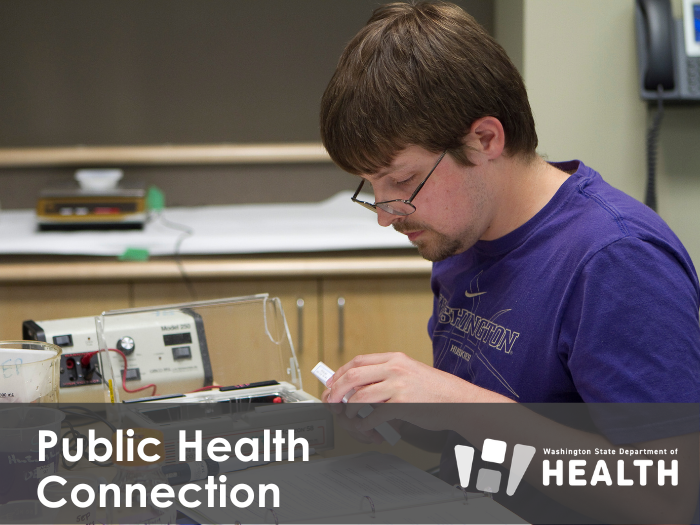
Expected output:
(186, 232)
(155, 202)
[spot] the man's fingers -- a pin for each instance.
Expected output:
(359, 380)
(359, 361)
(371, 394)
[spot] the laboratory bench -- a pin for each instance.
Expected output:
(337, 304)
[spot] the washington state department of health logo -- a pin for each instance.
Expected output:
(493, 451)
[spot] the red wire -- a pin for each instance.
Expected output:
(85, 361)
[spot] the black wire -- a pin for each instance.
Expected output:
(75, 435)
(89, 413)
(186, 232)
(652, 138)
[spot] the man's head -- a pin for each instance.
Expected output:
(421, 75)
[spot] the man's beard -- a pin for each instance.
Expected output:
(439, 247)
(443, 248)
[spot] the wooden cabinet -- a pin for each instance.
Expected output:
(380, 314)
(20, 302)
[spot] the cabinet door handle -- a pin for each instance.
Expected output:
(300, 325)
(341, 324)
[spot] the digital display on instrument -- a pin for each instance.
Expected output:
(177, 339)
(696, 21)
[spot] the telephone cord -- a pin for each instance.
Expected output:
(652, 143)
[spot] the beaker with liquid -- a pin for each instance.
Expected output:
(29, 372)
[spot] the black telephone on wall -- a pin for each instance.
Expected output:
(668, 50)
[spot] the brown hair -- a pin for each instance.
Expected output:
(420, 75)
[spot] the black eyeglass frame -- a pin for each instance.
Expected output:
(384, 205)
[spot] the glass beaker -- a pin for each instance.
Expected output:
(29, 372)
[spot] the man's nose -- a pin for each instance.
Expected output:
(386, 219)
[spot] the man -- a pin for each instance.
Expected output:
(550, 285)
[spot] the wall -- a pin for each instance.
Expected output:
(578, 60)
(178, 72)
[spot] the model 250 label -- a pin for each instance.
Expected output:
(184, 326)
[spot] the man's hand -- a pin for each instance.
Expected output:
(396, 378)
(380, 378)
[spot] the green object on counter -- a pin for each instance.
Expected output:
(155, 199)
(135, 254)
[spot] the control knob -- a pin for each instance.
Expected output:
(126, 345)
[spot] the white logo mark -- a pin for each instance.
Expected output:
(493, 451)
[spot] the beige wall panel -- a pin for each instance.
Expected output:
(580, 69)
(289, 292)
(678, 174)
(380, 315)
(56, 301)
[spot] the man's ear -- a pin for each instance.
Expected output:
(486, 139)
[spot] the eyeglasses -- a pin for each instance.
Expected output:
(396, 206)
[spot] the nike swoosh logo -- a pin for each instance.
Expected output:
(473, 294)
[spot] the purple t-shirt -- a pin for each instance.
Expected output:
(593, 299)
